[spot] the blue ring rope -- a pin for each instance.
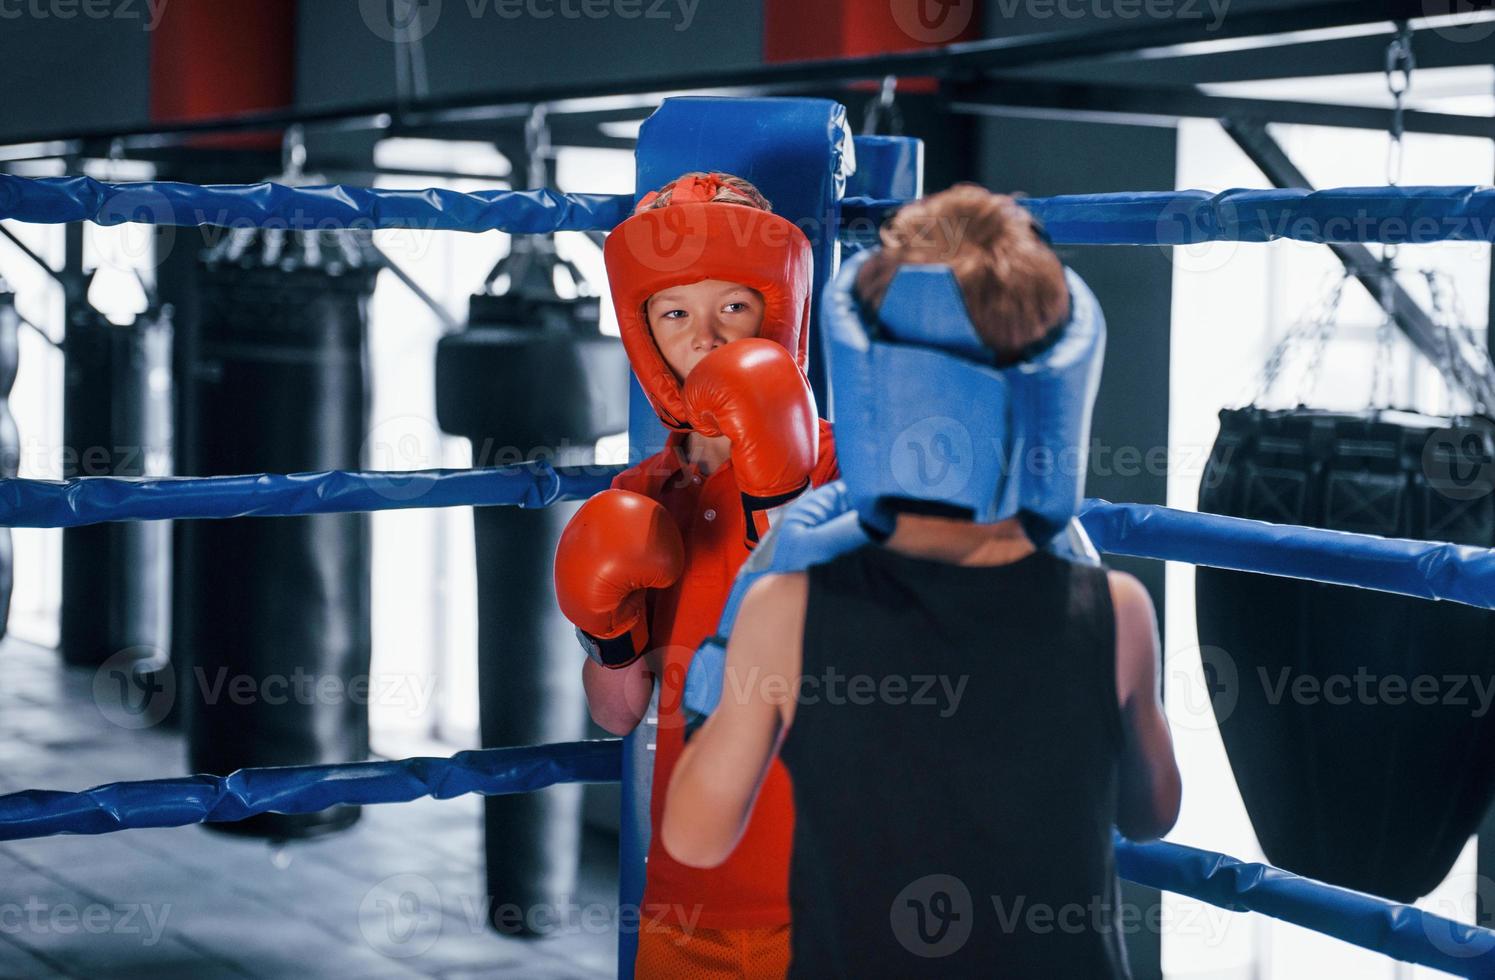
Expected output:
(1425, 569)
(1344, 214)
(1402, 932)
(1399, 931)
(50, 200)
(97, 499)
(186, 800)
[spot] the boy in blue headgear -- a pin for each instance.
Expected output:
(963, 712)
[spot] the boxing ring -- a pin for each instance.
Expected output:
(1430, 570)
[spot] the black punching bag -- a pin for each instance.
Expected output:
(276, 630)
(116, 422)
(530, 378)
(1353, 719)
(10, 439)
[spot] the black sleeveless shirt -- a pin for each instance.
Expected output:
(954, 757)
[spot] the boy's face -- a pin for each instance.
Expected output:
(689, 322)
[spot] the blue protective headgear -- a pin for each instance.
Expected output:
(924, 416)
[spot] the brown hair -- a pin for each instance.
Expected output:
(1012, 281)
(713, 186)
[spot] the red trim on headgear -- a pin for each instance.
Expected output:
(695, 238)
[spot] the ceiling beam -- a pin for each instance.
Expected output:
(1136, 105)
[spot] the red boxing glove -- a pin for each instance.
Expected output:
(617, 545)
(752, 392)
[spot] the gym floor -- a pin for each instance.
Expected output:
(400, 895)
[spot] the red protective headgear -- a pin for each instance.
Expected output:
(695, 238)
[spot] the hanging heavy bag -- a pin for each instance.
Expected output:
(116, 422)
(277, 626)
(1353, 719)
(530, 377)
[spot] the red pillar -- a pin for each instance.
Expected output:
(853, 28)
(222, 57)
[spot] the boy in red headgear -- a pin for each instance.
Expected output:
(712, 292)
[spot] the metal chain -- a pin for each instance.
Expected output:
(1381, 373)
(884, 104)
(537, 148)
(293, 155)
(1325, 325)
(1437, 297)
(1458, 339)
(1317, 325)
(1400, 63)
(1481, 353)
